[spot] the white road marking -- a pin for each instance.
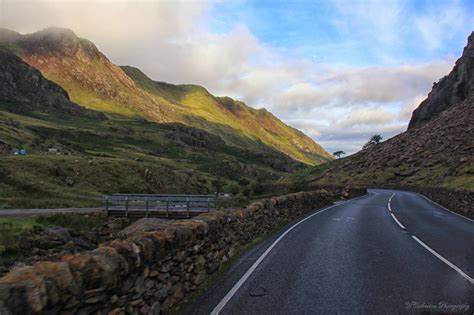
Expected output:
(350, 218)
(435, 203)
(244, 278)
(398, 222)
(391, 213)
(447, 262)
(389, 201)
(336, 219)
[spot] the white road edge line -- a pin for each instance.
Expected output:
(447, 262)
(398, 222)
(444, 208)
(219, 307)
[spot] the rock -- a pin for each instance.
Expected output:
(115, 311)
(83, 243)
(153, 274)
(200, 261)
(136, 302)
(260, 291)
(200, 278)
(177, 295)
(155, 309)
(144, 225)
(58, 234)
(69, 181)
(94, 299)
(166, 267)
(231, 252)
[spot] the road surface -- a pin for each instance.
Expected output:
(32, 212)
(387, 252)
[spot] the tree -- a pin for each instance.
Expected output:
(373, 141)
(338, 154)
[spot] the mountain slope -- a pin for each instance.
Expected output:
(99, 156)
(252, 123)
(24, 90)
(94, 82)
(437, 150)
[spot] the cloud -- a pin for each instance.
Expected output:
(338, 105)
(440, 22)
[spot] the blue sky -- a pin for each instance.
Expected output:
(339, 70)
(331, 32)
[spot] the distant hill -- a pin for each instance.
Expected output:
(96, 83)
(436, 150)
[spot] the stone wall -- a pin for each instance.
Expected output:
(155, 265)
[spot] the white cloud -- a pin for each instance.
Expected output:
(441, 22)
(339, 106)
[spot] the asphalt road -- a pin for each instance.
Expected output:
(387, 252)
(32, 212)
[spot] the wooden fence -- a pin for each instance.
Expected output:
(165, 206)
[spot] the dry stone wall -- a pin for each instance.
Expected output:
(155, 265)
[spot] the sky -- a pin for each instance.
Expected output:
(339, 70)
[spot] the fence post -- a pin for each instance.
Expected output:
(107, 205)
(167, 207)
(146, 207)
(126, 206)
(187, 208)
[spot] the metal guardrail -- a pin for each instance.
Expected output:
(146, 205)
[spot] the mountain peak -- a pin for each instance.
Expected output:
(450, 90)
(51, 41)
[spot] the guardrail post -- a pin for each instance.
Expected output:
(208, 204)
(126, 207)
(107, 205)
(187, 208)
(167, 207)
(146, 207)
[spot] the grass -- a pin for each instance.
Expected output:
(104, 157)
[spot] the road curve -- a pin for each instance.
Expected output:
(387, 252)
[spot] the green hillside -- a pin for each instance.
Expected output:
(96, 83)
(99, 155)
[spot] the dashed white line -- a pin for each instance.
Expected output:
(391, 213)
(389, 201)
(398, 222)
(432, 251)
(447, 262)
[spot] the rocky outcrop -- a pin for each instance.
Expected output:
(450, 90)
(438, 153)
(23, 89)
(155, 266)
